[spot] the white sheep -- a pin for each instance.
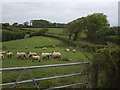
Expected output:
(3, 52)
(46, 55)
(74, 50)
(67, 50)
(9, 54)
(44, 48)
(56, 54)
(31, 53)
(1, 56)
(35, 58)
(21, 55)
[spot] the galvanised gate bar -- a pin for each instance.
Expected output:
(48, 78)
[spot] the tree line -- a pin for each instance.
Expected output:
(36, 24)
(95, 26)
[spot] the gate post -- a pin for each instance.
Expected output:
(94, 75)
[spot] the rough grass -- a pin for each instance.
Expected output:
(31, 43)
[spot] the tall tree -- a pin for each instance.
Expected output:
(70, 29)
(75, 27)
(40, 23)
(5, 25)
(15, 24)
(26, 24)
(94, 23)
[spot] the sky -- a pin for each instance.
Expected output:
(61, 11)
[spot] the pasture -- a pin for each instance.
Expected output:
(33, 44)
(50, 30)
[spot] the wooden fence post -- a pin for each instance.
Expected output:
(94, 76)
(119, 74)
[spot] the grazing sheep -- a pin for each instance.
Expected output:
(44, 48)
(9, 54)
(35, 58)
(56, 55)
(31, 53)
(74, 50)
(67, 50)
(21, 55)
(3, 52)
(46, 55)
(1, 56)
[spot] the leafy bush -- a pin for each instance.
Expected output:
(40, 32)
(106, 67)
(12, 35)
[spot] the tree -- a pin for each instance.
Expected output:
(80, 26)
(26, 24)
(5, 25)
(69, 29)
(20, 25)
(15, 24)
(40, 23)
(75, 27)
(94, 23)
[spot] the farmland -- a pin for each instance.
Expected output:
(50, 30)
(33, 44)
(90, 38)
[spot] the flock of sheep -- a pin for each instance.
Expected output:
(33, 55)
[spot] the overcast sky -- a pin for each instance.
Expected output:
(62, 11)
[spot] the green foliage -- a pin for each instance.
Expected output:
(75, 27)
(94, 23)
(26, 24)
(113, 31)
(90, 24)
(12, 35)
(108, 63)
(111, 34)
(46, 24)
(15, 24)
(5, 25)
(40, 32)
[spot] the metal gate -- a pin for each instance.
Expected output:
(47, 78)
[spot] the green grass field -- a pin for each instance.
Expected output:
(31, 43)
(50, 30)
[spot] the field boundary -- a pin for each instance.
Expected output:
(60, 38)
(48, 78)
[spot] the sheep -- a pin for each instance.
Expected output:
(44, 48)
(56, 54)
(31, 53)
(74, 50)
(1, 56)
(9, 54)
(67, 50)
(35, 58)
(21, 55)
(3, 52)
(46, 55)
